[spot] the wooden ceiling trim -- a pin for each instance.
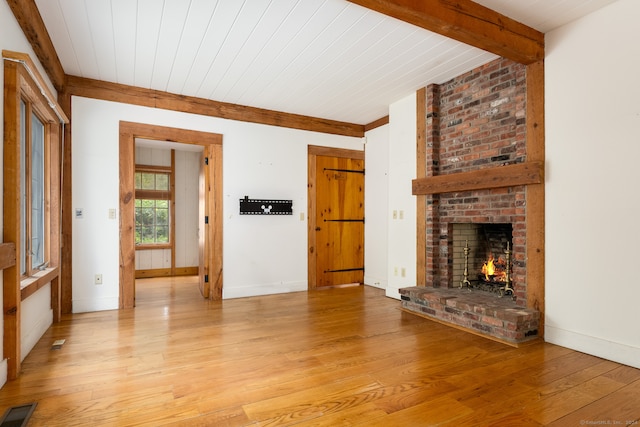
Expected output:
(107, 91)
(467, 22)
(376, 123)
(29, 19)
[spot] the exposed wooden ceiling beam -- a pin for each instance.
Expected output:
(28, 16)
(467, 22)
(99, 89)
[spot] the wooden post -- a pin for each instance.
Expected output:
(535, 198)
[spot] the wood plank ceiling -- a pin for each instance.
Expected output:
(330, 59)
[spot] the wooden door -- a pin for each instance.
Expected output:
(338, 220)
(203, 265)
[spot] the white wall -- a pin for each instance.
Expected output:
(376, 207)
(12, 38)
(401, 249)
(592, 197)
(262, 254)
(36, 316)
(390, 162)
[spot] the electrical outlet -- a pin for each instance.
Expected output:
(98, 279)
(403, 272)
(395, 214)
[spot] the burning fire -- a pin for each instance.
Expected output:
(494, 270)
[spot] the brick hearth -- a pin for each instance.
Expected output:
(477, 311)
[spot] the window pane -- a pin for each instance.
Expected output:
(162, 234)
(23, 188)
(138, 179)
(162, 216)
(162, 182)
(148, 181)
(162, 204)
(37, 192)
(138, 234)
(138, 216)
(147, 216)
(148, 234)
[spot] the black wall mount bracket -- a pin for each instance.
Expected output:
(265, 206)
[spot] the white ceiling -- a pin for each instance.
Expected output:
(322, 58)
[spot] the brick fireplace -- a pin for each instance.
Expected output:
(476, 172)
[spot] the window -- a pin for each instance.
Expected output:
(33, 129)
(32, 140)
(153, 205)
(32, 146)
(33, 197)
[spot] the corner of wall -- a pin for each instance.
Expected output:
(393, 291)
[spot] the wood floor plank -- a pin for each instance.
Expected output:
(432, 412)
(312, 402)
(550, 409)
(619, 408)
(335, 357)
(624, 374)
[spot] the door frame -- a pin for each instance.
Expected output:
(312, 152)
(129, 131)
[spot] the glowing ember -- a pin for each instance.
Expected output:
(494, 270)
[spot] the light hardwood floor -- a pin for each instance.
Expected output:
(333, 357)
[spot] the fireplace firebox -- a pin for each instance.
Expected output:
(481, 257)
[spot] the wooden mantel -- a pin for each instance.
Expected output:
(496, 177)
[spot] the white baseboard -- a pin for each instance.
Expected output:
(95, 304)
(229, 292)
(376, 282)
(393, 292)
(617, 352)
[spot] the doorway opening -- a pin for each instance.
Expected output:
(166, 208)
(209, 211)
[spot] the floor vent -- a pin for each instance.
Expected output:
(57, 345)
(18, 416)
